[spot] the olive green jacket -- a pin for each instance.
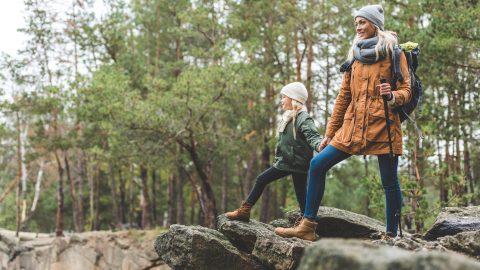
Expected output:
(295, 155)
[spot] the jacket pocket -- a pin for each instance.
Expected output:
(377, 126)
(347, 128)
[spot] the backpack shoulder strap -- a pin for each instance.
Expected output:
(396, 70)
(346, 66)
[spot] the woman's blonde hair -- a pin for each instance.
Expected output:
(296, 107)
(386, 39)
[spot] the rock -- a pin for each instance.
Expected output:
(276, 252)
(260, 240)
(465, 242)
(90, 250)
(453, 220)
(333, 222)
(243, 235)
(196, 247)
(335, 254)
(280, 223)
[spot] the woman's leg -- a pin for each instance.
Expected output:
(269, 175)
(300, 185)
(393, 194)
(319, 166)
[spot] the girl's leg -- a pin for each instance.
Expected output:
(269, 175)
(319, 166)
(393, 194)
(300, 185)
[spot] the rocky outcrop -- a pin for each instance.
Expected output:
(339, 254)
(93, 250)
(333, 222)
(254, 245)
(196, 247)
(465, 242)
(260, 240)
(453, 220)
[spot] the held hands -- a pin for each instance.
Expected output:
(324, 143)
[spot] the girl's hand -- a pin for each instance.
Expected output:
(324, 143)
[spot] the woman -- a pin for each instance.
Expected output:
(358, 125)
(298, 138)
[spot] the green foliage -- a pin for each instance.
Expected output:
(149, 79)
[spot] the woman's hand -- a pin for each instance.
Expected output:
(385, 90)
(324, 143)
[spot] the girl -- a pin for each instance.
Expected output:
(297, 140)
(358, 125)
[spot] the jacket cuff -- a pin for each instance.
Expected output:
(391, 102)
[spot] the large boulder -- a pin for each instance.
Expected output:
(243, 235)
(339, 254)
(196, 247)
(453, 220)
(334, 222)
(276, 252)
(464, 242)
(260, 240)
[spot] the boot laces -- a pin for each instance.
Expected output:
(298, 221)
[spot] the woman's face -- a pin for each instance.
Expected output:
(364, 28)
(286, 103)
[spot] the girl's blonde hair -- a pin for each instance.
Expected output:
(386, 39)
(296, 107)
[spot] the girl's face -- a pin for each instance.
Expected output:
(286, 103)
(364, 28)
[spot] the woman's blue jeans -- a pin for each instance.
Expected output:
(330, 156)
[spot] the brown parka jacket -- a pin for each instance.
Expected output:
(357, 124)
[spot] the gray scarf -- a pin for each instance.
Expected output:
(287, 117)
(364, 51)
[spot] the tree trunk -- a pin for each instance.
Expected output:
(146, 215)
(131, 200)
(309, 68)
(113, 192)
(298, 57)
(418, 189)
(82, 175)
(96, 221)
(73, 194)
(154, 197)
(249, 175)
(123, 194)
(19, 176)
(265, 209)
(207, 197)
(225, 185)
(447, 170)
(180, 199)
(59, 216)
(91, 195)
(171, 217)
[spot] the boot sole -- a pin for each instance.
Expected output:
(289, 236)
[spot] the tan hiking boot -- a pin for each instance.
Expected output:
(242, 213)
(305, 230)
(298, 220)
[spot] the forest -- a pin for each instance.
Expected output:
(156, 112)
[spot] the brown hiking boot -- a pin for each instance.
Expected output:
(242, 213)
(305, 230)
(297, 222)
